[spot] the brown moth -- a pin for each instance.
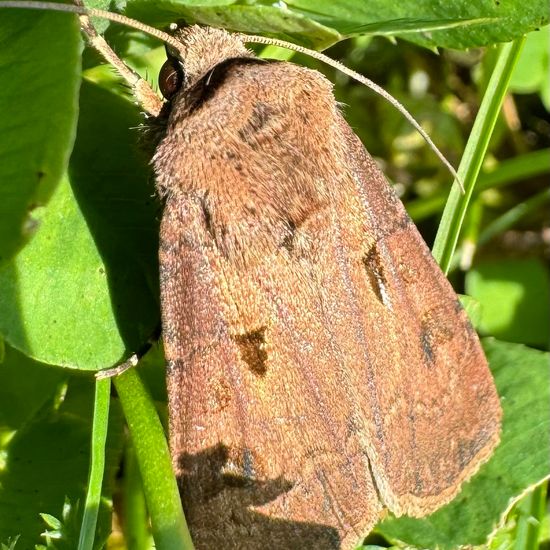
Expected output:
(320, 367)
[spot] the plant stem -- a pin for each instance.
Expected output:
(97, 464)
(168, 523)
(474, 153)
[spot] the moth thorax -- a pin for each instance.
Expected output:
(206, 47)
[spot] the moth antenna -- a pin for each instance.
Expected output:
(363, 80)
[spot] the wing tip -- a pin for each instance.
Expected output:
(414, 506)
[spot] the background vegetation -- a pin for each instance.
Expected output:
(79, 236)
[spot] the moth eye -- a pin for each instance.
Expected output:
(170, 77)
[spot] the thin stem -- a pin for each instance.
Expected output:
(168, 523)
(97, 464)
(470, 165)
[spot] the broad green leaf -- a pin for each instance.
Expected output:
(514, 297)
(320, 23)
(40, 76)
(520, 461)
(463, 24)
(45, 464)
(84, 293)
(250, 18)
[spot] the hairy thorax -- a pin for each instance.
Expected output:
(232, 146)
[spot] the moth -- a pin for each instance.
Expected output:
(320, 366)
(320, 369)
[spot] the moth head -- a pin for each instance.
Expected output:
(202, 49)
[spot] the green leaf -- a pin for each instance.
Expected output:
(61, 532)
(40, 76)
(514, 297)
(252, 19)
(51, 521)
(10, 543)
(523, 382)
(522, 530)
(21, 376)
(475, 23)
(84, 293)
(320, 23)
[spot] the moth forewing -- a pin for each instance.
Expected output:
(320, 365)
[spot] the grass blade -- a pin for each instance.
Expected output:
(474, 153)
(97, 464)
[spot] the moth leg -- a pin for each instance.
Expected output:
(142, 91)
